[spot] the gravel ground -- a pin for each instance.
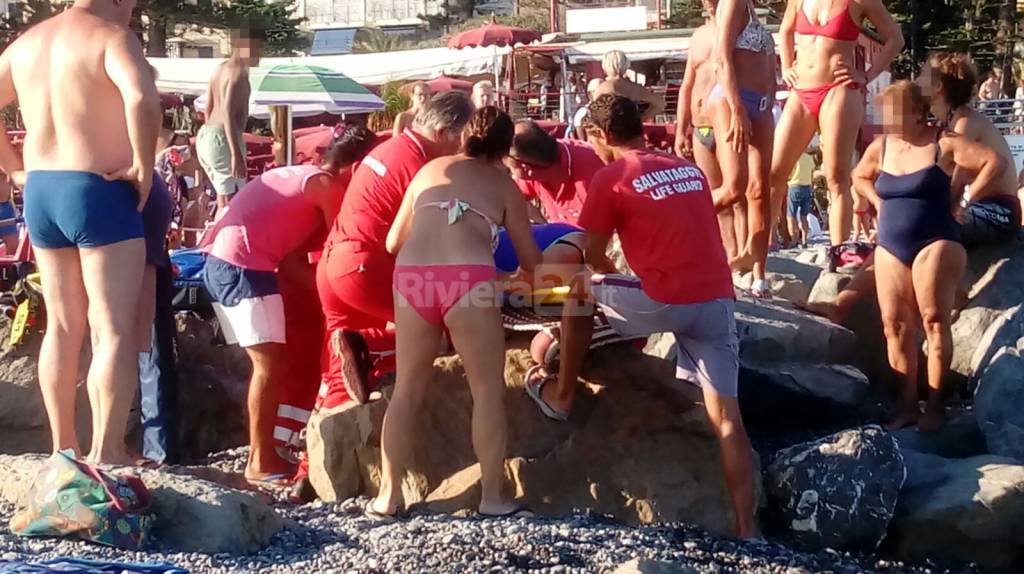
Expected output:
(337, 539)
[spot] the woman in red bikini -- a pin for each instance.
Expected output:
(445, 235)
(829, 93)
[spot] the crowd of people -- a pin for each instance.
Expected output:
(335, 277)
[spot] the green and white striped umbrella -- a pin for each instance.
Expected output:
(303, 85)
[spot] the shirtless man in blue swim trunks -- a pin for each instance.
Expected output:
(91, 113)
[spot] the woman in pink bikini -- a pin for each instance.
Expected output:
(827, 93)
(445, 234)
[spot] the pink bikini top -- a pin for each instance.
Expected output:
(839, 27)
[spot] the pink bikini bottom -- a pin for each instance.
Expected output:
(432, 290)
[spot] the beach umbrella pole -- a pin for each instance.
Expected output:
(289, 144)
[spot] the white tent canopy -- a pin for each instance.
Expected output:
(637, 50)
(191, 75)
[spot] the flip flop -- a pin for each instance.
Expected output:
(518, 511)
(277, 480)
(379, 517)
(533, 391)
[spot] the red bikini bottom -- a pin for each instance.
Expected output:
(813, 98)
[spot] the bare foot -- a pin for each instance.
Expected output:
(383, 508)
(829, 311)
(902, 421)
(743, 262)
(932, 419)
(750, 532)
(112, 459)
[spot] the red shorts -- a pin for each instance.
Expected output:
(354, 285)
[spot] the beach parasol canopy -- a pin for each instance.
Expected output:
(493, 34)
(300, 84)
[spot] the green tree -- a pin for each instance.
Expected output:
(284, 38)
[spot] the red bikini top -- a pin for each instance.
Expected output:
(840, 27)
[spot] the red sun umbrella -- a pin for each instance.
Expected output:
(444, 83)
(493, 34)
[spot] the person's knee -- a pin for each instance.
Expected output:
(935, 324)
(838, 180)
(894, 326)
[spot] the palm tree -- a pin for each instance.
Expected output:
(395, 102)
(377, 40)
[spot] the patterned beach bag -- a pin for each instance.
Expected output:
(72, 498)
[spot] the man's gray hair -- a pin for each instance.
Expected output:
(449, 110)
(615, 63)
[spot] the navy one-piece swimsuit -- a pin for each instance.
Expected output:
(916, 210)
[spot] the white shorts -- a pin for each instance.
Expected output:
(253, 321)
(707, 351)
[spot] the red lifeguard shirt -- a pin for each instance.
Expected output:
(661, 208)
(563, 203)
(375, 193)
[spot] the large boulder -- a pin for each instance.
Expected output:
(839, 491)
(212, 385)
(864, 320)
(790, 361)
(192, 515)
(803, 392)
(213, 382)
(24, 426)
(774, 332)
(806, 273)
(634, 448)
(994, 281)
(998, 401)
(959, 437)
(968, 509)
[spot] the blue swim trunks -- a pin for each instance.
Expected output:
(546, 235)
(7, 214)
(79, 209)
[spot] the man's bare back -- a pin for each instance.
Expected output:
(68, 75)
(228, 98)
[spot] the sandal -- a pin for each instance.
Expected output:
(380, 517)
(277, 480)
(351, 348)
(760, 290)
(517, 511)
(533, 391)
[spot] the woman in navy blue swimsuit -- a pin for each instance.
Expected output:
(906, 174)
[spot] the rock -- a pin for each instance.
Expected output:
(208, 369)
(1005, 331)
(865, 320)
(648, 566)
(817, 256)
(772, 332)
(969, 509)
(782, 286)
(804, 392)
(806, 273)
(994, 281)
(839, 491)
(192, 515)
(24, 426)
(959, 437)
(634, 448)
(219, 374)
(998, 402)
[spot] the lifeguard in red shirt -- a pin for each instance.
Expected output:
(556, 172)
(355, 272)
(661, 208)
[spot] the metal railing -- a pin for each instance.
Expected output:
(1006, 114)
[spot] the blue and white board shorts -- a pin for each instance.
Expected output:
(707, 347)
